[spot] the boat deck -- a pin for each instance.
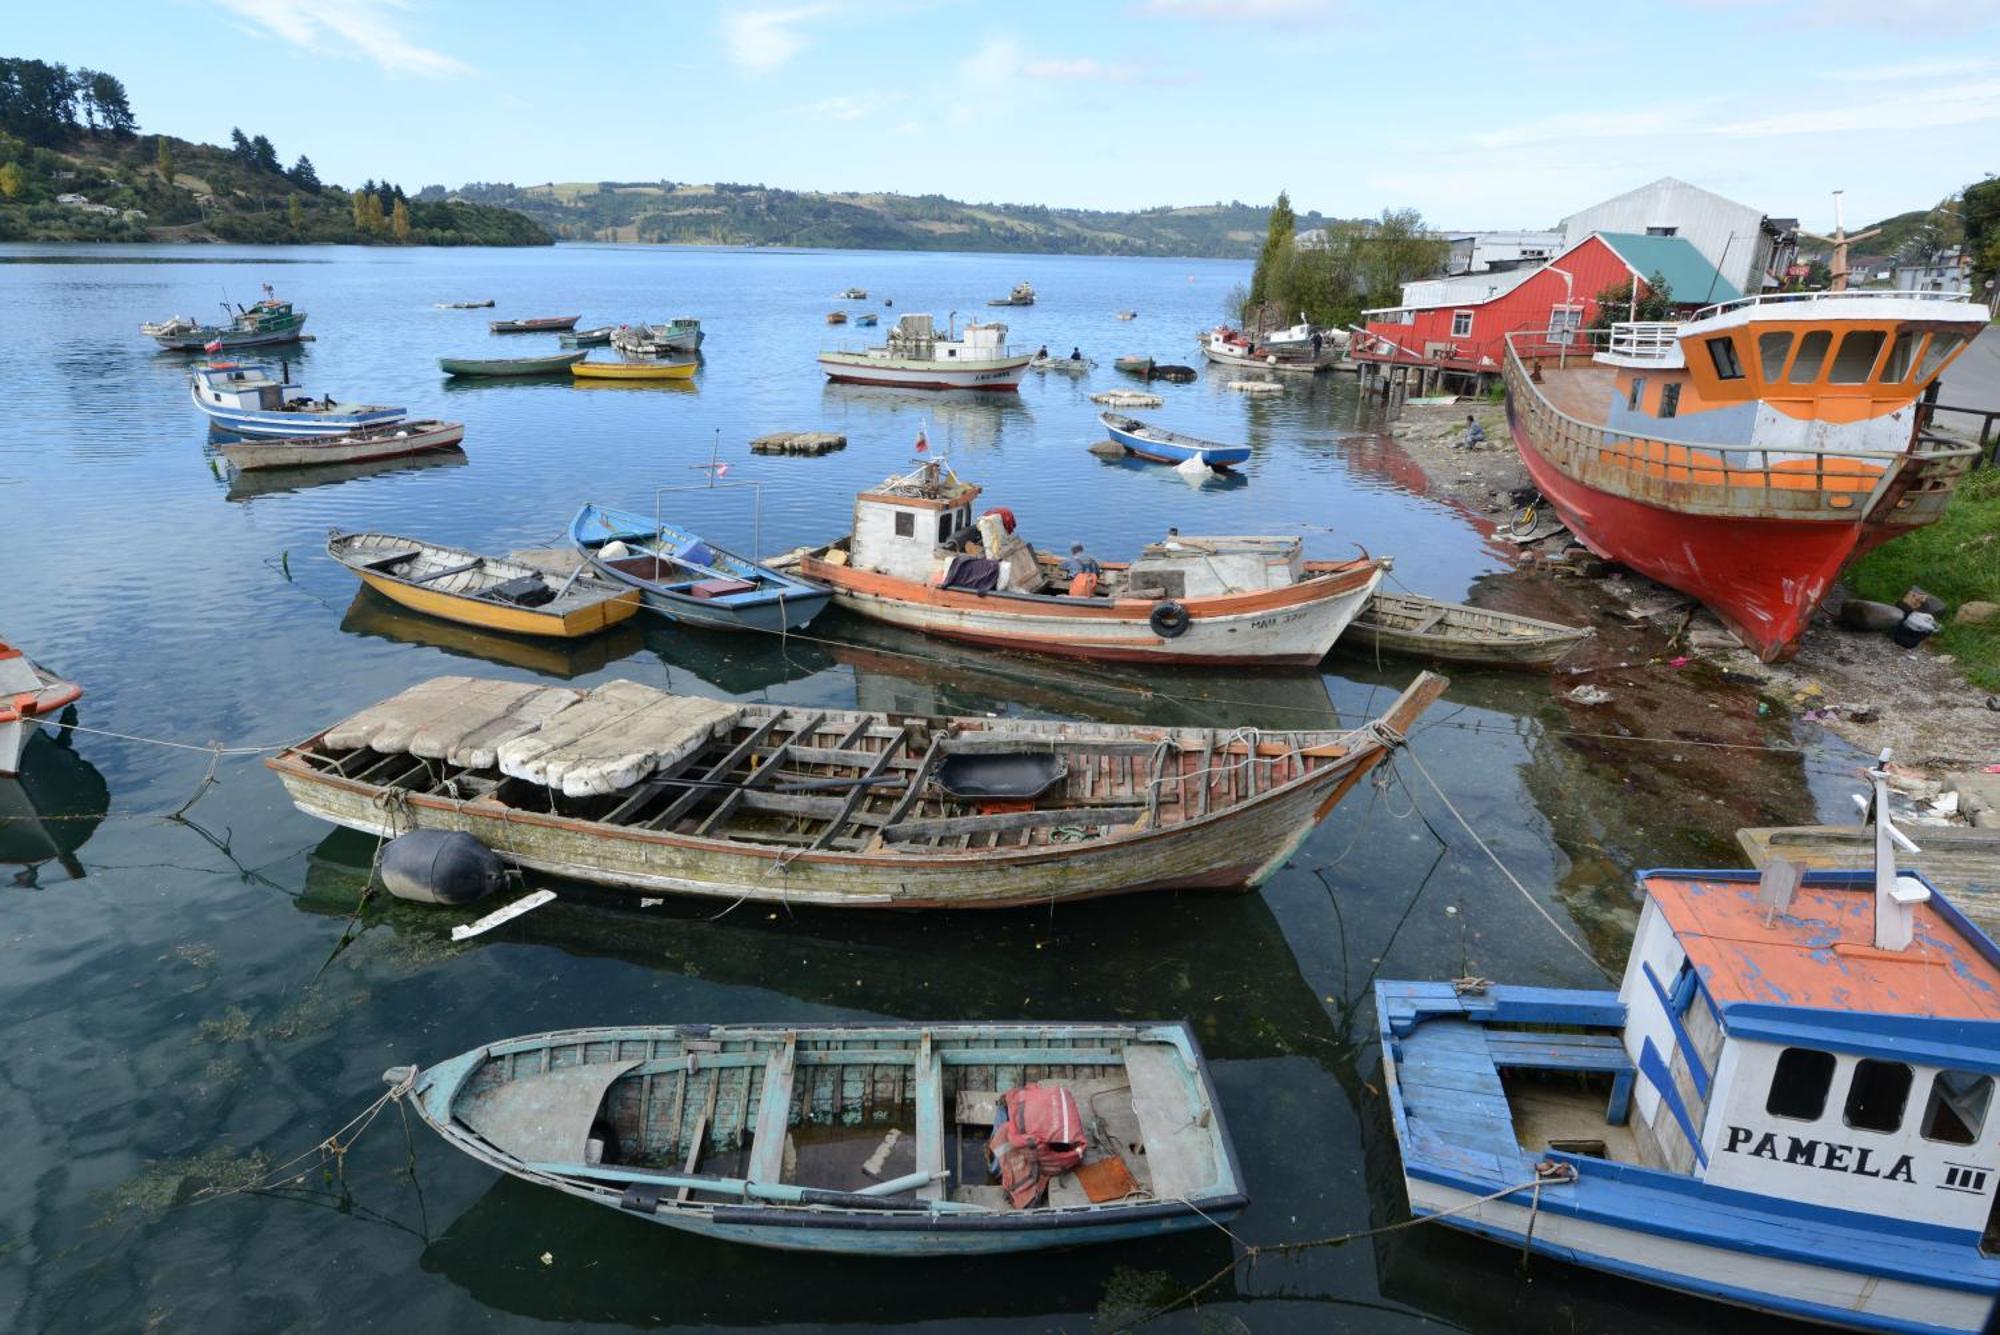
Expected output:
(1581, 390)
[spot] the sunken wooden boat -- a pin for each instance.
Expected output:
(485, 591)
(1408, 623)
(627, 786)
(553, 364)
(860, 1139)
(391, 441)
(540, 324)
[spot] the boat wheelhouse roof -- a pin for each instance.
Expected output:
(238, 375)
(1819, 953)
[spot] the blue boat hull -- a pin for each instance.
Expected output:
(777, 605)
(1169, 452)
(289, 425)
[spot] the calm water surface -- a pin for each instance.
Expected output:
(184, 1002)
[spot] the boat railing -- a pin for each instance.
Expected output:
(1646, 340)
(1851, 294)
(921, 350)
(1699, 477)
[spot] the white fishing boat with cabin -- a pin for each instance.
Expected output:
(916, 358)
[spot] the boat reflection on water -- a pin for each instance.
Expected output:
(279, 481)
(1209, 480)
(674, 386)
(50, 809)
(461, 384)
(373, 615)
(952, 419)
(745, 663)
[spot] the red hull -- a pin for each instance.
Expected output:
(918, 384)
(1763, 577)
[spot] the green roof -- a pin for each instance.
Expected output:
(1688, 273)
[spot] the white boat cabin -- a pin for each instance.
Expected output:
(915, 338)
(249, 386)
(1829, 1040)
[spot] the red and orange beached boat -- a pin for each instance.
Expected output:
(29, 693)
(1746, 455)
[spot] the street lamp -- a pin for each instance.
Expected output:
(1569, 297)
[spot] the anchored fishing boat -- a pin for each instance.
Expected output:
(588, 338)
(466, 305)
(628, 786)
(1231, 347)
(854, 294)
(1408, 623)
(1170, 447)
(783, 1135)
(680, 335)
(1746, 455)
(917, 558)
(269, 321)
(540, 324)
(29, 693)
(1022, 295)
(916, 358)
(647, 370)
(683, 577)
(248, 399)
(391, 441)
(484, 591)
(1787, 1104)
(554, 363)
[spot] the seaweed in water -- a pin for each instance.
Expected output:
(168, 1183)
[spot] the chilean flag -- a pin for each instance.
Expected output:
(923, 445)
(215, 346)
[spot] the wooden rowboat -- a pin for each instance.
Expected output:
(29, 693)
(1134, 365)
(628, 786)
(465, 305)
(860, 1139)
(686, 578)
(554, 363)
(1406, 623)
(588, 338)
(486, 591)
(1170, 447)
(382, 442)
(587, 370)
(540, 324)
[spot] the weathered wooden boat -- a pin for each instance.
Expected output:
(553, 364)
(854, 294)
(916, 358)
(1022, 295)
(1408, 623)
(1746, 455)
(268, 322)
(628, 786)
(29, 693)
(589, 370)
(680, 335)
(1063, 365)
(378, 442)
(466, 305)
(917, 558)
(1225, 346)
(588, 338)
(1134, 365)
(1170, 447)
(260, 482)
(836, 317)
(683, 577)
(856, 1139)
(540, 324)
(485, 591)
(249, 399)
(1787, 1104)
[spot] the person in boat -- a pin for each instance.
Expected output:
(1043, 355)
(1172, 542)
(1475, 435)
(1076, 354)
(1082, 571)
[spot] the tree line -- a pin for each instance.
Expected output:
(255, 153)
(46, 102)
(1332, 274)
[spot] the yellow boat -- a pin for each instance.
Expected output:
(486, 591)
(633, 370)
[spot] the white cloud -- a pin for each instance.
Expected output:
(1912, 71)
(844, 108)
(1000, 63)
(1240, 11)
(371, 29)
(763, 40)
(1729, 118)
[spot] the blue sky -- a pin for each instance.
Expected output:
(1478, 115)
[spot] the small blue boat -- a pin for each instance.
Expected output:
(864, 1139)
(1170, 447)
(251, 399)
(683, 577)
(1788, 1104)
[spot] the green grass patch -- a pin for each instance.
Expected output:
(1958, 559)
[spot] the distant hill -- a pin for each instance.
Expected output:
(756, 215)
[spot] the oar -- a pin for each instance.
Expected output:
(868, 1198)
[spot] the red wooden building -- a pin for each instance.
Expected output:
(1458, 326)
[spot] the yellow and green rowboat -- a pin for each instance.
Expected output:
(484, 591)
(588, 370)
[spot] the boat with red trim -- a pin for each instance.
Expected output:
(1745, 455)
(917, 558)
(29, 693)
(915, 357)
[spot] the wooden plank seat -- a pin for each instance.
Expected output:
(448, 571)
(774, 1114)
(912, 831)
(1451, 1087)
(1172, 1123)
(1547, 1051)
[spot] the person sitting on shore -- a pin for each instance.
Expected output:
(1475, 435)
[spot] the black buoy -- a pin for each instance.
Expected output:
(441, 867)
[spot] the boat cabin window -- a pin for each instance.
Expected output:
(1722, 351)
(1799, 1084)
(1637, 393)
(1901, 356)
(1941, 347)
(1876, 1095)
(1812, 352)
(1856, 357)
(944, 526)
(906, 524)
(1772, 349)
(1957, 1108)
(1670, 400)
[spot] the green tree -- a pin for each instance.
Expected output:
(303, 176)
(1615, 303)
(163, 159)
(240, 149)
(1979, 216)
(295, 212)
(399, 222)
(1279, 244)
(12, 180)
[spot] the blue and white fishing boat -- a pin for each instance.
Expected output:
(864, 1139)
(250, 399)
(1170, 447)
(1788, 1104)
(683, 577)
